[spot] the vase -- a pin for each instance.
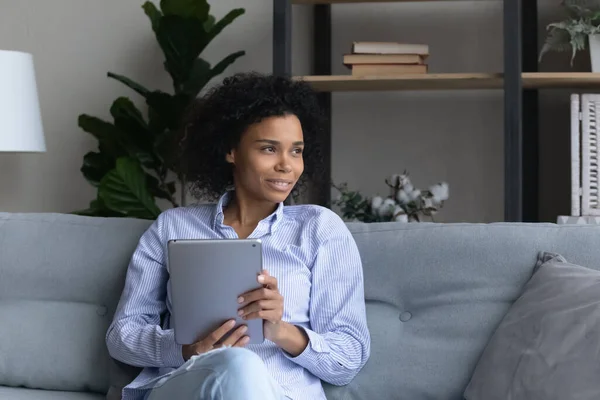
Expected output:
(594, 41)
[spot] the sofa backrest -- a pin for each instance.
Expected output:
(61, 277)
(436, 293)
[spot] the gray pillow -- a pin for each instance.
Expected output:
(548, 344)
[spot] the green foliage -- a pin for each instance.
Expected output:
(355, 207)
(583, 19)
(405, 203)
(134, 165)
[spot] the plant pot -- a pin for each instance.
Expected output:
(594, 41)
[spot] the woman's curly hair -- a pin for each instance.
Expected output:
(217, 121)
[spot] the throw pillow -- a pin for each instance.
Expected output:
(547, 347)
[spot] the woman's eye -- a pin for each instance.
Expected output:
(269, 149)
(298, 151)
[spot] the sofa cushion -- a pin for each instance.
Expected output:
(9, 393)
(38, 352)
(546, 347)
(436, 293)
(62, 276)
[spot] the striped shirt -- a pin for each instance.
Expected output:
(312, 254)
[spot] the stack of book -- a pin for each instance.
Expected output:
(387, 58)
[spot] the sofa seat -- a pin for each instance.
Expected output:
(32, 394)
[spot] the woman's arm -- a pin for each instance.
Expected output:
(135, 336)
(338, 338)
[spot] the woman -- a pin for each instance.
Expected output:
(252, 142)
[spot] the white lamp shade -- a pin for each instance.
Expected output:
(20, 119)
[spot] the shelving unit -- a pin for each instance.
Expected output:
(344, 83)
(520, 82)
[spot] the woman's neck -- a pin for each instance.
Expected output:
(244, 211)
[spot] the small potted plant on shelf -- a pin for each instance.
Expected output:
(581, 25)
(405, 203)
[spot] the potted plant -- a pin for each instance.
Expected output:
(581, 25)
(134, 165)
(405, 203)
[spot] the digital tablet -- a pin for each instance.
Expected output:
(207, 277)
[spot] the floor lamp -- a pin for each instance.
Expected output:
(21, 128)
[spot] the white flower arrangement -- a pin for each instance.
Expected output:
(405, 203)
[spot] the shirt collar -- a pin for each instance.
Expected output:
(218, 217)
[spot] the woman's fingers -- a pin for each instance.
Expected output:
(235, 336)
(258, 294)
(242, 342)
(258, 306)
(216, 335)
(267, 280)
(268, 315)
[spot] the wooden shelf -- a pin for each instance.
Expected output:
(531, 80)
(369, 1)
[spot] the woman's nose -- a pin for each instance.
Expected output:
(284, 164)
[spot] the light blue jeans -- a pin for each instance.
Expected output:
(222, 374)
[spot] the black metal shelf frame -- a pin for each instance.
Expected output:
(521, 154)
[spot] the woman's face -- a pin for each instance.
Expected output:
(268, 160)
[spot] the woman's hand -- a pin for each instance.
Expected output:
(236, 339)
(265, 303)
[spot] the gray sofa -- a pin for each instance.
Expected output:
(435, 292)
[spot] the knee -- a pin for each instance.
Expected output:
(235, 371)
(239, 357)
(240, 363)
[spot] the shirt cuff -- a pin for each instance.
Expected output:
(170, 351)
(315, 349)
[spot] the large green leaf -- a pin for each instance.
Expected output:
(181, 40)
(165, 191)
(167, 148)
(226, 62)
(127, 115)
(96, 166)
(209, 23)
(170, 108)
(108, 135)
(202, 73)
(153, 14)
(156, 124)
(131, 84)
(223, 22)
(125, 190)
(198, 9)
(137, 137)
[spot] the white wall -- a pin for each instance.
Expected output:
(454, 136)
(74, 44)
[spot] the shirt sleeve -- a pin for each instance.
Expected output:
(135, 336)
(339, 339)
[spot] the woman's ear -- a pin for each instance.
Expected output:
(230, 158)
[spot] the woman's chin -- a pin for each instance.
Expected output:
(277, 196)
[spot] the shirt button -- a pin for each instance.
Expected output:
(405, 316)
